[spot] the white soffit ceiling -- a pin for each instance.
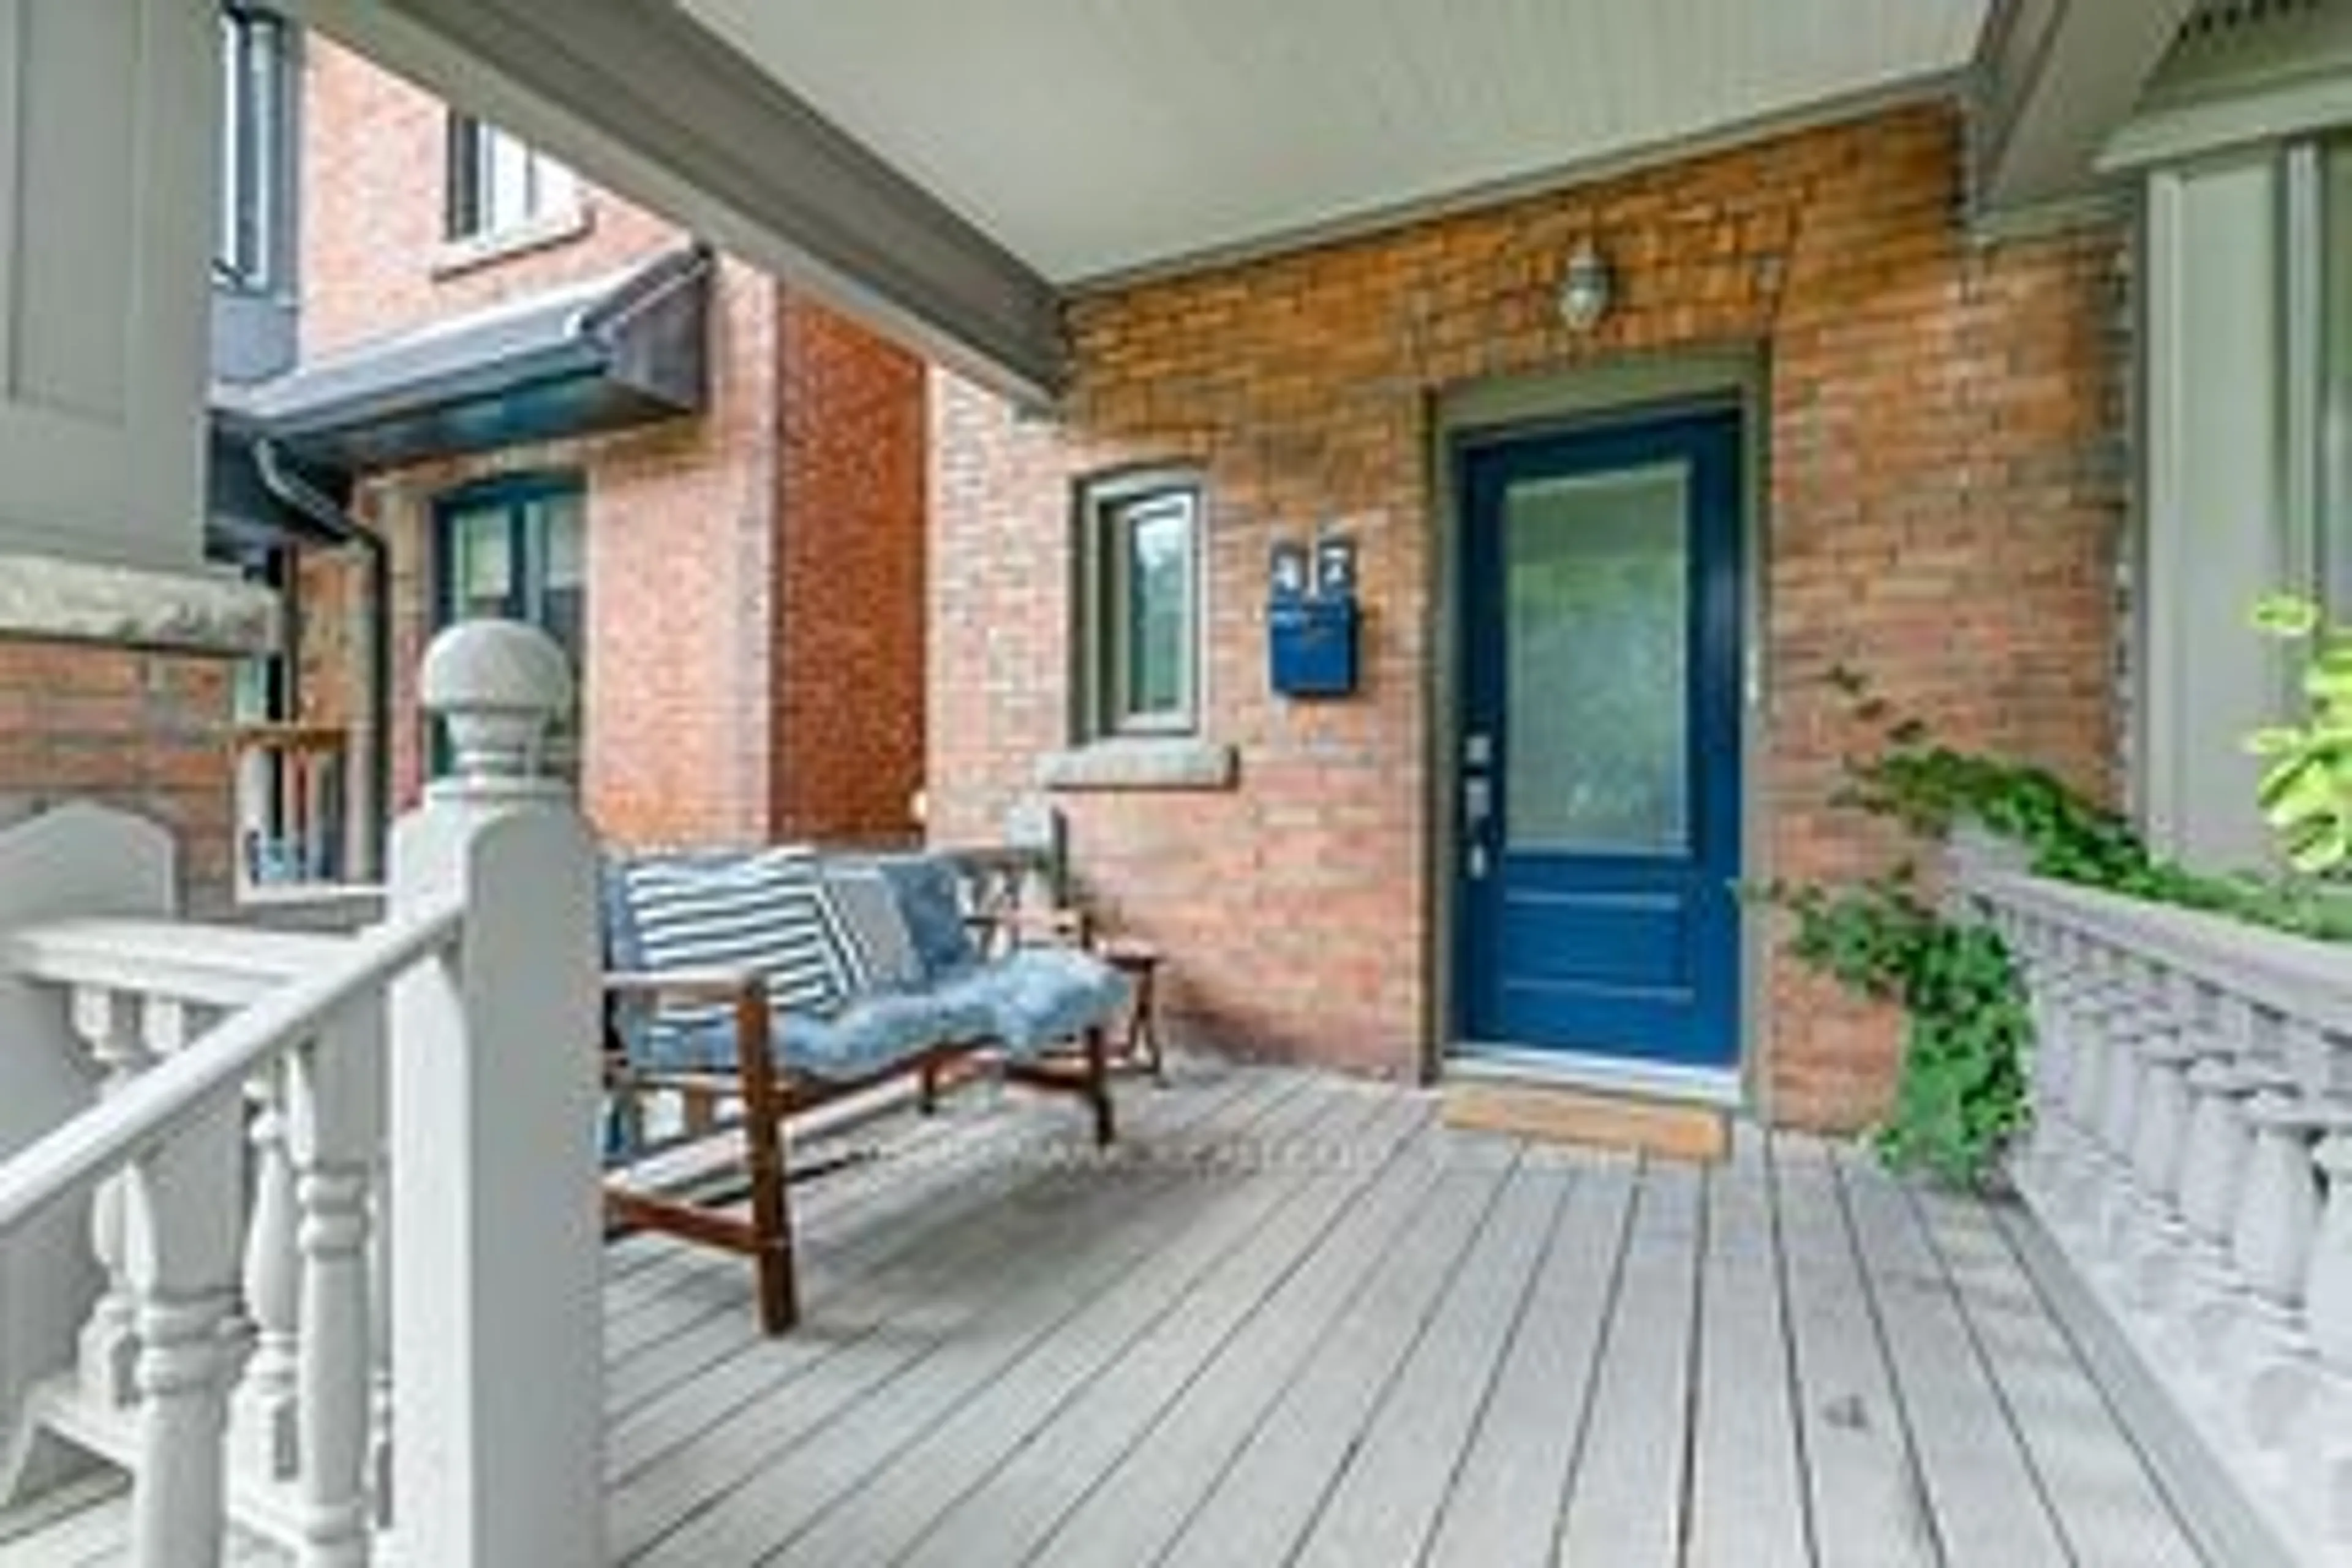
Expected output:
(1096, 137)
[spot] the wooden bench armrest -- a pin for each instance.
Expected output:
(716, 981)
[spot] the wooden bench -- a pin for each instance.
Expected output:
(766, 985)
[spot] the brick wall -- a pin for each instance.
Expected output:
(740, 564)
(1944, 433)
(141, 731)
(849, 598)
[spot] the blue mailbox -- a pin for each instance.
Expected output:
(1311, 627)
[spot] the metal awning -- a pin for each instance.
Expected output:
(613, 352)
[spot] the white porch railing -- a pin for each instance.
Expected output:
(213, 1131)
(2192, 1159)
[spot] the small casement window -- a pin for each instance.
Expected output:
(499, 184)
(251, 238)
(517, 549)
(1139, 546)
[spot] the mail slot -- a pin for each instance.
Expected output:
(1311, 645)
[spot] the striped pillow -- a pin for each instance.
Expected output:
(876, 929)
(771, 912)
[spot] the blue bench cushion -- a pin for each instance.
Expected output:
(869, 963)
(1039, 995)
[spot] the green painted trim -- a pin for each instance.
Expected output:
(2200, 130)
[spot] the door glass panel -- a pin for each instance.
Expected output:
(1596, 668)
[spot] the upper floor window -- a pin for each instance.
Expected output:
(1139, 637)
(256, 127)
(499, 184)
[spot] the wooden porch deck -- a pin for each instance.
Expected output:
(1292, 1320)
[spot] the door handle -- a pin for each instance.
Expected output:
(1477, 811)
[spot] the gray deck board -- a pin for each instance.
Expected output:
(1504, 1507)
(1296, 1322)
(2108, 1506)
(1268, 1496)
(1980, 1481)
(1749, 1506)
(1868, 1505)
(1626, 1497)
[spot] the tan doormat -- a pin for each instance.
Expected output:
(1677, 1132)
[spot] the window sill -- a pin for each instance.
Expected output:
(542, 233)
(1137, 763)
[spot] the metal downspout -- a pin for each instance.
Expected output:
(296, 492)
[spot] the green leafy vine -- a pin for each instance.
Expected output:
(1962, 1095)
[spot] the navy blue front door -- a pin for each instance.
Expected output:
(1599, 801)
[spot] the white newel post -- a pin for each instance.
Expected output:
(497, 1366)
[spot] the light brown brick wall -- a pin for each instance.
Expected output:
(1944, 439)
(849, 599)
(139, 731)
(755, 573)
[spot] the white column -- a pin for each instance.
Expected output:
(497, 1371)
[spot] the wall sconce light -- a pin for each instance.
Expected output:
(1585, 288)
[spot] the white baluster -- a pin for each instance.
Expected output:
(262, 1416)
(2066, 995)
(111, 1023)
(2156, 1239)
(336, 1129)
(2039, 950)
(2322, 1447)
(2099, 1021)
(379, 1336)
(183, 1222)
(2118, 1123)
(2213, 1178)
(2266, 1360)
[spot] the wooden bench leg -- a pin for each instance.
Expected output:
(1098, 1084)
(765, 1103)
(927, 1089)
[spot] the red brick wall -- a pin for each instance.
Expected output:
(739, 562)
(1944, 433)
(373, 185)
(143, 732)
(849, 601)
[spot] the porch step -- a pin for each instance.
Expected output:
(1699, 1133)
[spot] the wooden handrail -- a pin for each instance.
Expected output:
(152, 1105)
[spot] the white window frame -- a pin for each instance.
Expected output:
(1108, 507)
(499, 185)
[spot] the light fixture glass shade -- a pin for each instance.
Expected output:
(1585, 287)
